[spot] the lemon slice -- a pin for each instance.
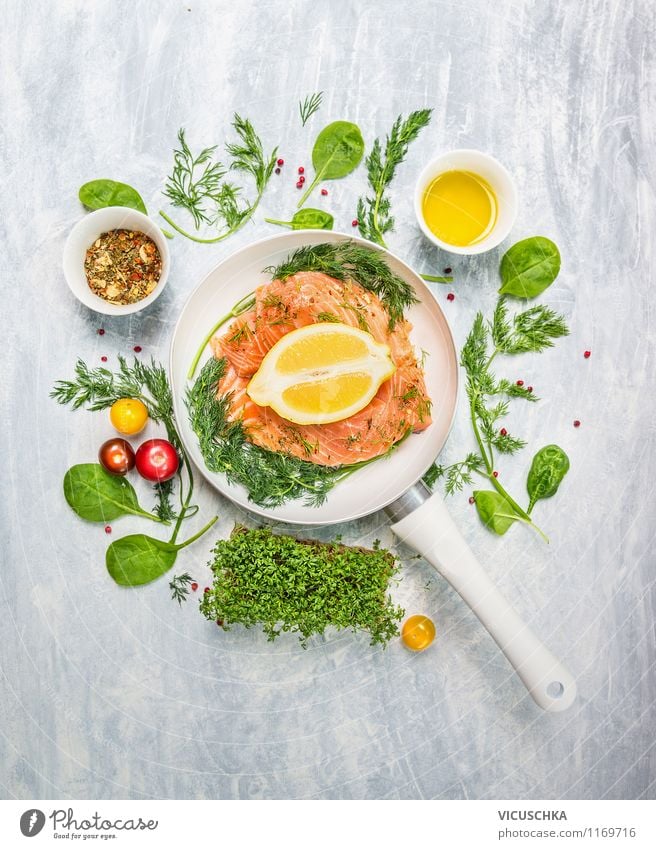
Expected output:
(321, 373)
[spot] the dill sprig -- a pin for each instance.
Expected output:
(301, 586)
(457, 475)
(197, 182)
(309, 106)
(270, 477)
(99, 388)
(163, 506)
(180, 587)
(530, 331)
(348, 261)
(374, 210)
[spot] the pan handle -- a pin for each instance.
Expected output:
(431, 531)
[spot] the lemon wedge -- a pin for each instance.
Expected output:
(321, 373)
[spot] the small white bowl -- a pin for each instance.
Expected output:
(490, 170)
(85, 233)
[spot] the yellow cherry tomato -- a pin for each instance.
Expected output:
(417, 633)
(128, 415)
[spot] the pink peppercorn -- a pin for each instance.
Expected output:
(137, 349)
(299, 185)
(355, 222)
(108, 529)
(577, 423)
(194, 586)
(206, 590)
(586, 354)
(503, 431)
(324, 192)
(101, 331)
(277, 170)
(520, 383)
(280, 162)
(495, 474)
(301, 170)
(103, 359)
(450, 297)
(301, 180)
(529, 388)
(471, 499)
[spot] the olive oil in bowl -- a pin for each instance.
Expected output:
(460, 208)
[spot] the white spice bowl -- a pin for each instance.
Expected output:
(491, 170)
(85, 233)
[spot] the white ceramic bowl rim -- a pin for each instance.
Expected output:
(494, 173)
(86, 231)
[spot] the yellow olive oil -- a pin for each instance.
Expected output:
(460, 208)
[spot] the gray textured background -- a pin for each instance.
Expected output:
(114, 693)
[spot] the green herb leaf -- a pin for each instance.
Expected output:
(373, 213)
(529, 267)
(97, 194)
(309, 106)
(549, 467)
(337, 151)
(496, 512)
(301, 586)
(138, 559)
(98, 496)
(307, 219)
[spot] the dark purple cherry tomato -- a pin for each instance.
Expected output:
(116, 456)
(157, 460)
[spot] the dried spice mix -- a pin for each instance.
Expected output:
(123, 266)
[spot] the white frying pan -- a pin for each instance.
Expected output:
(394, 484)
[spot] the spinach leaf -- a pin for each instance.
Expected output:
(495, 511)
(529, 267)
(98, 194)
(307, 219)
(98, 496)
(549, 467)
(139, 559)
(337, 151)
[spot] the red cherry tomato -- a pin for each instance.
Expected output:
(116, 456)
(157, 460)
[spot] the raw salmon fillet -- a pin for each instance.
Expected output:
(305, 298)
